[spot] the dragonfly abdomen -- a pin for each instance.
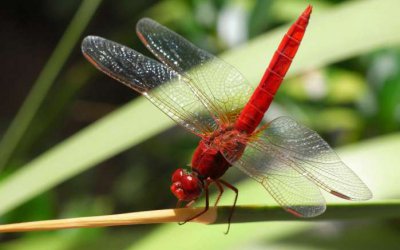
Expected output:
(253, 112)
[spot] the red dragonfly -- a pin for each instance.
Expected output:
(211, 99)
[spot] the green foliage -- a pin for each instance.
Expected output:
(44, 81)
(356, 98)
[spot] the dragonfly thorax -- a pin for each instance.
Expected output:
(227, 139)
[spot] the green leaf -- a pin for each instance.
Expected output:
(83, 150)
(341, 33)
(385, 209)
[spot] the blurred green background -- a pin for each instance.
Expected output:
(67, 154)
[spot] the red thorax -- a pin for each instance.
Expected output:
(208, 162)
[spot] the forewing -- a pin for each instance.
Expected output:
(294, 192)
(312, 157)
(223, 90)
(165, 88)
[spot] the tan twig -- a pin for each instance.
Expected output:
(135, 218)
(385, 209)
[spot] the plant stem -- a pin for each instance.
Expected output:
(135, 218)
(344, 211)
(341, 211)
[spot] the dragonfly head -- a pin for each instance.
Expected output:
(186, 186)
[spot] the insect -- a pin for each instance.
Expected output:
(214, 101)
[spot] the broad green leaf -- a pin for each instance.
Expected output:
(344, 32)
(93, 144)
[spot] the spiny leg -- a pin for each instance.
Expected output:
(179, 204)
(234, 189)
(190, 203)
(221, 191)
(205, 208)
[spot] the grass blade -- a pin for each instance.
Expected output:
(46, 78)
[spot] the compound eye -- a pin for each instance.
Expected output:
(186, 186)
(176, 189)
(192, 186)
(177, 175)
(190, 183)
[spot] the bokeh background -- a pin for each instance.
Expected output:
(349, 93)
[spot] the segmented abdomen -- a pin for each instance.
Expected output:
(253, 112)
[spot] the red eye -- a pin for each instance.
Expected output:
(177, 175)
(176, 189)
(192, 187)
(190, 183)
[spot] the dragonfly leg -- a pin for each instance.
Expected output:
(234, 189)
(221, 191)
(205, 208)
(179, 204)
(190, 203)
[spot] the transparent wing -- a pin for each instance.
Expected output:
(223, 90)
(293, 191)
(164, 87)
(313, 157)
(307, 153)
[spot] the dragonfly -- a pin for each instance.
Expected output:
(212, 100)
